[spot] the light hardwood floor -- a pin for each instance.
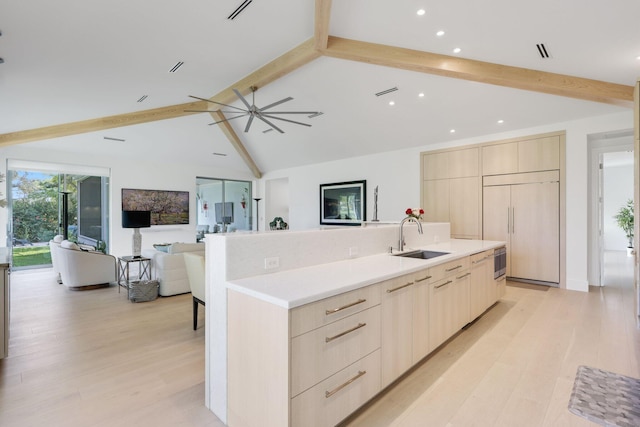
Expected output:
(94, 359)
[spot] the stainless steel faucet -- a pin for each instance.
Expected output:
(401, 235)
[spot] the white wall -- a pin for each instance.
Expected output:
(397, 174)
(133, 173)
(618, 189)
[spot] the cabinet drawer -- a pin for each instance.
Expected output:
(335, 398)
(322, 352)
(328, 310)
(452, 267)
(481, 256)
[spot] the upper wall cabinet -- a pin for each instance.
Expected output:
(533, 155)
(462, 163)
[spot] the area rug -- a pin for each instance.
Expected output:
(606, 398)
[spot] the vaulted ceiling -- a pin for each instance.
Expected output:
(75, 73)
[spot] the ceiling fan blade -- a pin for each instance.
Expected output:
(286, 120)
(244, 101)
(270, 124)
(227, 119)
(246, 129)
(292, 112)
(216, 102)
(282, 101)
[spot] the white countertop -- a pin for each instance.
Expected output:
(293, 288)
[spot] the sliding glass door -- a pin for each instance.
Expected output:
(223, 205)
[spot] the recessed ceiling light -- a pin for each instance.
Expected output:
(440, 33)
(392, 103)
(457, 50)
(452, 131)
(421, 12)
(421, 95)
(638, 58)
(500, 121)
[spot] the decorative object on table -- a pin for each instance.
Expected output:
(343, 203)
(136, 220)
(143, 290)
(257, 199)
(624, 219)
(162, 247)
(167, 207)
(415, 213)
(375, 205)
(278, 224)
(605, 398)
(254, 112)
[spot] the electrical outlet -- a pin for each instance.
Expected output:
(353, 251)
(270, 263)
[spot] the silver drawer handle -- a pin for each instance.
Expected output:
(444, 284)
(341, 334)
(463, 276)
(424, 278)
(344, 307)
(399, 287)
(454, 268)
(328, 394)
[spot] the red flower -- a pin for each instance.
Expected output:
(421, 211)
(409, 211)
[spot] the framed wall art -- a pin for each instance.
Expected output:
(343, 203)
(167, 207)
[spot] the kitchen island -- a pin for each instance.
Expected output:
(304, 327)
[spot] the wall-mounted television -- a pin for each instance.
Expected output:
(167, 207)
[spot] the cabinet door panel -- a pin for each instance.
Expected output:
(540, 154)
(435, 166)
(535, 241)
(436, 200)
(496, 216)
(463, 163)
(421, 317)
(397, 332)
(464, 207)
(500, 159)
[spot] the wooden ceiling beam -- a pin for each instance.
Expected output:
(484, 72)
(322, 20)
(236, 142)
(92, 125)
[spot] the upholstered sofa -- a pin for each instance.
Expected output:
(54, 245)
(169, 269)
(81, 269)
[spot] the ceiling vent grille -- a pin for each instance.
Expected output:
(239, 10)
(267, 131)
(142, 98)
(384, 92)
(542, 51)
(176, 67)
(109, 138)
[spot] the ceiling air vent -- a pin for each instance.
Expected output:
(542, 50)
(109, 138)
(239, 9)
(384, 92)
(142, 98)
(176, 67)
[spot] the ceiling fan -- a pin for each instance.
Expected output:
(254, 112)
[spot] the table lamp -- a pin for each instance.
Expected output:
(136, 220)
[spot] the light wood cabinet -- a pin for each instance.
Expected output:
(481, 291)
(526, 215)
(448, 300)
(397, 327)
(531, 155)
(316, 364)
(421, 315)
(451, 189)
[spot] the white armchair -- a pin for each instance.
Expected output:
(84, 269)
(54, 246)
(195, 270)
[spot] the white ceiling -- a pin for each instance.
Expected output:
(70, 60)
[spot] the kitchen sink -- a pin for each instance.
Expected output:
(422, 254)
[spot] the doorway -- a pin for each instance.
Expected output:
(611, 182)
(223, 205)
